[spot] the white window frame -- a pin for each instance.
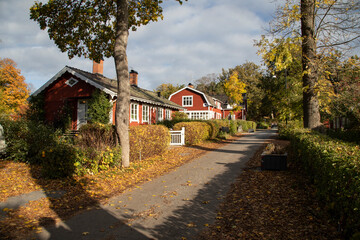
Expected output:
(187, 99)
(134, 112)
(167, 114)
(71, 82)
(160, 114)
(145, 113)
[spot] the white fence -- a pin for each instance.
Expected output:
(177, 137)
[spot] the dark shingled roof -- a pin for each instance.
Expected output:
(136, 93)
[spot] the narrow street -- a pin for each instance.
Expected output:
(174, 206)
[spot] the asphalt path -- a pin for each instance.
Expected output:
(177, 205)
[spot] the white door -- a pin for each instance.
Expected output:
(81, 113)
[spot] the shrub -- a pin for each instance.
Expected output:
(170, 123)
(233, 127)
(147, 141)
(96, 148)
(25, 139)
(99, 107)
(352, 135)
(58, 161)
(179, 116)
(334, 168)
(195, 132)
(262, 125)
(96, 136)
(246, 125)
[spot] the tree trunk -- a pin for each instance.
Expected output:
(123, 84)
(310, 75)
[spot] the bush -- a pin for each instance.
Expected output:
(352, 135)
(170, 123)
(262, 125)
(195, 132)
(233, 127)
(96, 148)
(179, 116)
(334, 168)
(99, 107)
(58, 161)
(147, 141)
(26, 139)
(246, 125)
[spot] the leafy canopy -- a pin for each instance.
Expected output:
(13, 89)
(87, 27)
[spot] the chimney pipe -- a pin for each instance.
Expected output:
(98, 67)
(190, 85)
(133, 77)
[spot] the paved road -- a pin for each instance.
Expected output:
(173, 206)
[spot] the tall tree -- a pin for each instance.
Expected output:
(309, 57)
(98, 29)
(13, 89)
(323, 26)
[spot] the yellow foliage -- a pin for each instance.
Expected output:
(234, 88)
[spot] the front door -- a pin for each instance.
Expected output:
(81, 113)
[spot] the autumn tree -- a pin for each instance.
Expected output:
(166, 89)
(250, 74)
(13, 89)
(98, 29)
(235, 89)
(323, 27)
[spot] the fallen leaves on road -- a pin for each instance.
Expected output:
(271, 205)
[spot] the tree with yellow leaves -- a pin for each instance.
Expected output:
(235, 89)
(13, 89)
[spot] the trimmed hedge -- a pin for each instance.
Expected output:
(147, 141)
(246, 125)
(195, 132)
(352, 135)
(334, 167)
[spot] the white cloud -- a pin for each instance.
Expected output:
(193, 40)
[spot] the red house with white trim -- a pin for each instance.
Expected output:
(72, 87)
(199, 105)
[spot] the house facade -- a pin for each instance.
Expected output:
(199, 105)
(72, 88)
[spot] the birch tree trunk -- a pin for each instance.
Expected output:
(310, 75)
(123, 85)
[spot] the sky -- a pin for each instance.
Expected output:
(195, 39)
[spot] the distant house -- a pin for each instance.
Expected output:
(199, 105)
(74, 87)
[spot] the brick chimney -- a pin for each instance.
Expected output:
(190, 85)
(98, 67)
(133, 77)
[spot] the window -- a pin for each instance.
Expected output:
(145, 113)
(71, 82)
(134, 112)
(199, 115)
(168, 114)
(187, 101)
(160, 114)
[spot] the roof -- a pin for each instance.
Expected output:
(109, 86)
(209, 100)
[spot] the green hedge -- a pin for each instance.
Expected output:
(352, 135)
(335, 169)
(147, 141)
(195, 132)
(246, 125)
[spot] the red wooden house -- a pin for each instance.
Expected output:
(73, 87)
(202, 106)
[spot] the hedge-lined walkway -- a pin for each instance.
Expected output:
(172, 202)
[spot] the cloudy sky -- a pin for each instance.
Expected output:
(198, 38)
